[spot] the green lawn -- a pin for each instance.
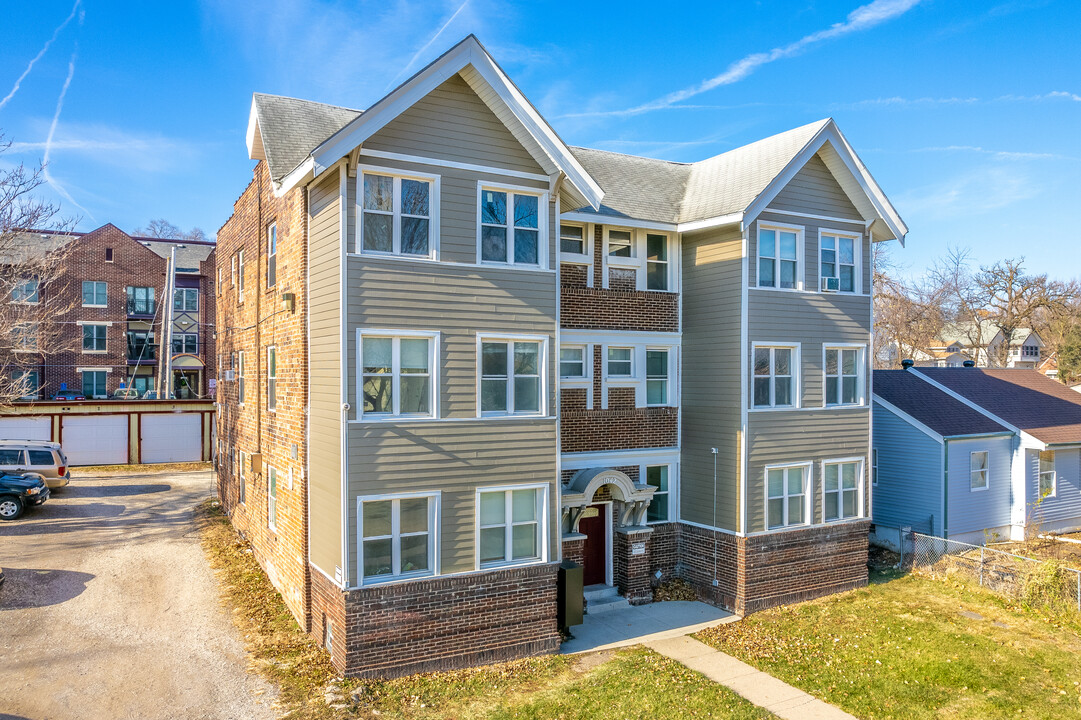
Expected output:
(911, 647)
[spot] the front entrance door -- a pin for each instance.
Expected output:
(594, 527)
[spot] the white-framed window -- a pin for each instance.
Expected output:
(659, 509)
(1048, 483)
(95, 294)
(94, 384)
(397, 373)
(620, 362)
(94, 338)
(272, 497)
(619, 243)
(185, 343)
(397, 536)
(271, 378)
(511, 525)
(186, 299)
(656, 261)
(512, 226)
(24, 337)
(977, 470)
(399, 213)
(272, 254)
(874, 467)
(240, 377)
(841, 489)
(233, 269)
(775, 376)
(839, 257)
(513, 377)
(572, 362)
(240, 276)
(25, 382)
(217, 288)
(140, 300)
(656, 377)
(26, 291)
(780, 257)
(242, 476)
(788, 495)
(844, 370)
(572, 240)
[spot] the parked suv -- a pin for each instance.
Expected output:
(19, 491)
(33, 457)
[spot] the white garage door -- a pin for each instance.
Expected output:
(26, 428)
(172, 438)
(95, 439)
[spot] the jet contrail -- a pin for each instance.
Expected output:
(37, 57)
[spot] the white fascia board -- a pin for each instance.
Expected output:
(907, 418)
(301, 174)
(252, 133)
(617, 221)
(729, 219)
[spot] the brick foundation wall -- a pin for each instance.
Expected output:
(328, 607)
(451, 622)
(696, 564)
(664, 551)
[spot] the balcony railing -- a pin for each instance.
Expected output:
(141, 308)
(141, 355)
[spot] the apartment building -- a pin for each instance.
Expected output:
(109, 328)
(459, 351)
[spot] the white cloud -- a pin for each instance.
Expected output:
(997, 154)
(109, 145)
(974, 192)
(424, 48)
(900, 102)
(41, 53)
(49, 141)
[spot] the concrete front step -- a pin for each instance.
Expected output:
(601, 598)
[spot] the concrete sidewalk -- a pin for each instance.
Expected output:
(639, 624)
(763, 690)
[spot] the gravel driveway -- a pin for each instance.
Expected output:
(109, 609)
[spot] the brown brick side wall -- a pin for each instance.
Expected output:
(619, 428)
(631, 572)
(599, 309)
(328, 607)
(451, 622)
(574, 550)
(696, 564)
(573, 276)
(664, 551)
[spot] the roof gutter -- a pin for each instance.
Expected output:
(719, 220)
(300, 175)
(976, 436)
(574, 216)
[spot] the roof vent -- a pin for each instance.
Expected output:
(968, 363)
(907, 363)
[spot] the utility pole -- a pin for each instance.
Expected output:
(165, 373)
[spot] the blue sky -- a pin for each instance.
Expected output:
(967, 113)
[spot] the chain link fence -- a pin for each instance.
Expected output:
(1034, 582)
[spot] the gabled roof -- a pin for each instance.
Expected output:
(963, 332)
(930, 406)
(189, 255)
(1026, 399)
(283, 130)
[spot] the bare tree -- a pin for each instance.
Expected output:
(1015, 301)
(908, 315)
(33, 296)
(162, 228)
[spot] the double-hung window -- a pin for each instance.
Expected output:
(787, 492)
(572, 362)
(511, 377)
(242, 476)
(272, 254)
(240, 377)
(271, 377)
(397, 375)
(657, 477)
(844, 376)
(977, 470)
(874, 467)
(620, 243)
(397, 214)
(272, 498)
(94, 384)
(656, 262)
(397, 537)
(775, 376)
(510, 227)
(25, 291)
(24, 337)
(510, 525)
(838, 260)
(840, 490)
(572, 239)
(25, 384)
(186, 299)
(656, 377)
(620, 364)
(94, 338)
(95, 294)
(185, 343)
(1047, 473)
(778, 258)
(240, 276)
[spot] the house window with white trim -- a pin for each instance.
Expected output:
(242, 475)
(186, 299)
(396, 375)
(874, 467)
(656, 261)
(510, 227)
(184, 343)
(94, 338)
(572, 239)
(778, 258)
(774, 376)
(839, 260)
(95, 294)
(240, 276)
(511, 378)
(272, 254)
(26, 291)
(25, 384)
(94, 384)
(240, 377)
(977, 470)
(620, 362)
(657, 477)
(397, 537)
(840, 490)
(24, 337)
(272, 498)
(1048, 476)
(572, 362)
(844, 376)
(271, 378)
(656, 377)
(509, 523)
(620, 243)
(397, 214)
(787, 493)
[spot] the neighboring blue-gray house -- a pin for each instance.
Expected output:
(974, 454)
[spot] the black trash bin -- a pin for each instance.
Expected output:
(569, 594)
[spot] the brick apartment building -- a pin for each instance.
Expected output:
(459, 351)
(109, 334)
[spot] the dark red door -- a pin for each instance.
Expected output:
(592, 525)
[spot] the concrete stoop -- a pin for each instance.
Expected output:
(602, 598)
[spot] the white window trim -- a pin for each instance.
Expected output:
(639, 344)
(801, 256)
(669, 376)
(627, 380)
(861, 369)
(542, 526)
(184, 291)
(272, 229)
(672, 492)
(542, 410)
(434, 505)
(242, 384)
(396, 232)
(242, 476)
(874, 467)
(96, 283)
(104, 350)
(986, 472)
(587, 365)
(857, 254)
(83, 371)
(240, 276)
(272, 500)
(217, 287)
(634, 261)
(271, 349)
(670, 264)
(808, 493)
(433, 373)
(544, 240)
(797, 377)
(586, 256)
(860, 480)
(1039, 474)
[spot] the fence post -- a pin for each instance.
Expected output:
(981, 565)
(1078, 573)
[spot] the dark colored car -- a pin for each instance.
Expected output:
(68, 395)
(19, 491)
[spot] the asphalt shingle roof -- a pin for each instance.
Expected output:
(290, 129)
(188, 255)
(936, 409)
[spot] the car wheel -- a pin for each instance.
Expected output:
(11, 507)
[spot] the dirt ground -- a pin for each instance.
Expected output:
(109, 609)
